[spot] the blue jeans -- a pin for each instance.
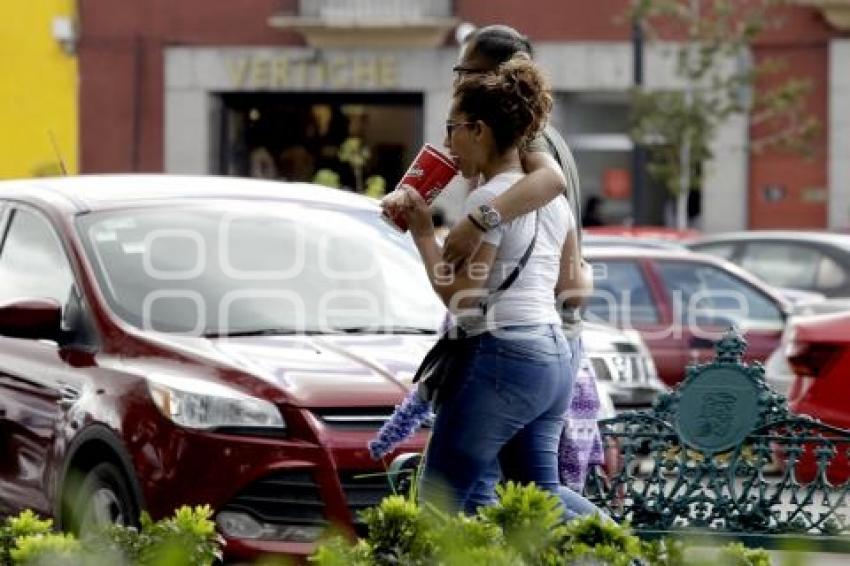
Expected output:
(505, 420)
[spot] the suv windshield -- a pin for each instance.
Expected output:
(233, 268)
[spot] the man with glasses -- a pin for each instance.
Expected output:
(550, 172)
(549, 163)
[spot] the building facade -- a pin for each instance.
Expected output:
(38, 93)
(345, 91)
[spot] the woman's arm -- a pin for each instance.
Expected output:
(457, 288)
(544, 182)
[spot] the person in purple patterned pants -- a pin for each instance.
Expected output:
(581, 444)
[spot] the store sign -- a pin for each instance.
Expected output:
(256, 73)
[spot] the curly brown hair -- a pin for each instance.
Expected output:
(514, 101)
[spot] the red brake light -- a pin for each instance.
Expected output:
(811, 359)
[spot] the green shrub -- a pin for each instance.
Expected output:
(664, 552)
(51, 549)
(188, 538)
(736, 554)
(467, 540)
(600, 539)
(530, 518)
(523, 528)
(24, 525)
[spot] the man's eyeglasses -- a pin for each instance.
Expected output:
(460, 71)
(450, 126)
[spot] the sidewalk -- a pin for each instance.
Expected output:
(705, 555)
(780, 558)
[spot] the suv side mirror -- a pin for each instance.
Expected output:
(31, 318)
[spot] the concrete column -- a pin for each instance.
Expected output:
(435, 111)
(187, 117)
(839, 134)
(187, 132)
(724, 197)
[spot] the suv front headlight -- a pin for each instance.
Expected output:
(195, 403)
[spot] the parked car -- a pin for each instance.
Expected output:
(817, 262)
(180, 340)
(650, 232)
(599, 241)
(681, 302)
(623, 365)
(171, 340)
(817, 351)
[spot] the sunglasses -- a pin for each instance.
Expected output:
(450, 126)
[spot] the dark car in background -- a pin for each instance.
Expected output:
(681, 302)
(183, 340)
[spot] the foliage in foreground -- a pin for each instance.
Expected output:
(188, 538)
(522, 529)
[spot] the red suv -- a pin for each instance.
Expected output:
(179, 340)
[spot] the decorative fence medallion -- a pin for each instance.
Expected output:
(717, 409)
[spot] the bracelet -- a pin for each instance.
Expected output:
(476, 223)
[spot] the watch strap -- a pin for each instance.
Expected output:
(475, 222)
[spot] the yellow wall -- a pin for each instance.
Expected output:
(38, 90)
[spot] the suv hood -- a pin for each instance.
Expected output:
(325, 370)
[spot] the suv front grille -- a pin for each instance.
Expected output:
(363, 490)
(288, 497)
(354, 418)
(357, 418)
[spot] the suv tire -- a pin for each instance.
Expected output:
(103, 497)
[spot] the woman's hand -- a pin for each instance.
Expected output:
(394, 202)
(418, 214)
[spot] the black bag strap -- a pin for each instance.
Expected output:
(512, 277)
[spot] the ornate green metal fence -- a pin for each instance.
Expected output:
(723, 454)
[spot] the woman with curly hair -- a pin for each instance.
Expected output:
(505, 416)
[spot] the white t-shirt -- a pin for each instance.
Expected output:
(530, 300)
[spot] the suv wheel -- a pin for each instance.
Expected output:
(103, 498)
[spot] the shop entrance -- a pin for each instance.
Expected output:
(355, 141)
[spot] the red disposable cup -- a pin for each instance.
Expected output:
(429, 174)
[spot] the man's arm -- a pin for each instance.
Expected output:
(575, 279)
(544, 182)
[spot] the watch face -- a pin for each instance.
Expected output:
(490, 216)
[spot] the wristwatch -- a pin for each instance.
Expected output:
(489, 217)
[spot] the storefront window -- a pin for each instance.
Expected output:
(353, 141)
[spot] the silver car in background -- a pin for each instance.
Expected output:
(625, 372)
